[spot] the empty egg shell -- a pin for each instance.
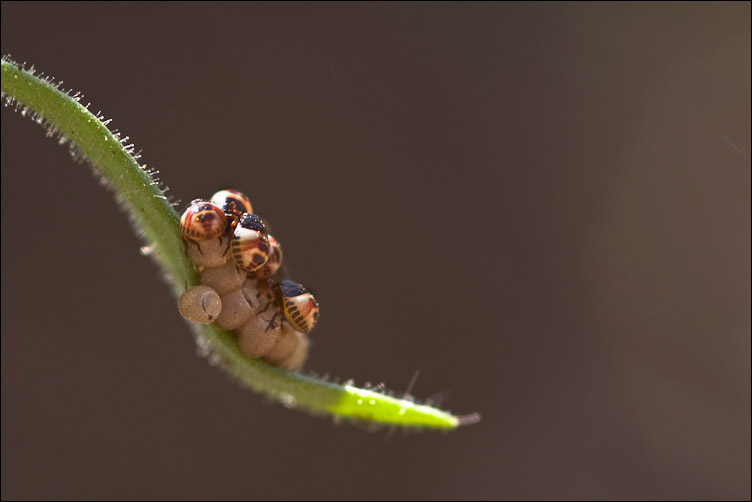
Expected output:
(257, 337)
(236, 310)
(200, 304)
(298, 358)
(223, 279)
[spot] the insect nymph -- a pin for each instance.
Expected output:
(238, 261)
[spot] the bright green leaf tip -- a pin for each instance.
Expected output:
(154, 217)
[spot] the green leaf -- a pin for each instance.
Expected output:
(155, 219)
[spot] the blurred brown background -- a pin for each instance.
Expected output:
(544, 208)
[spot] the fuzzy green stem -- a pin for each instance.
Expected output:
(156, 220)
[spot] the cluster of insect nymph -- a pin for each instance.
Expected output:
(238, 261)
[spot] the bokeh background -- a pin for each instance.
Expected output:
(542, 208)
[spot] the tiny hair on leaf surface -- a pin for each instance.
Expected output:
(154, 218)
